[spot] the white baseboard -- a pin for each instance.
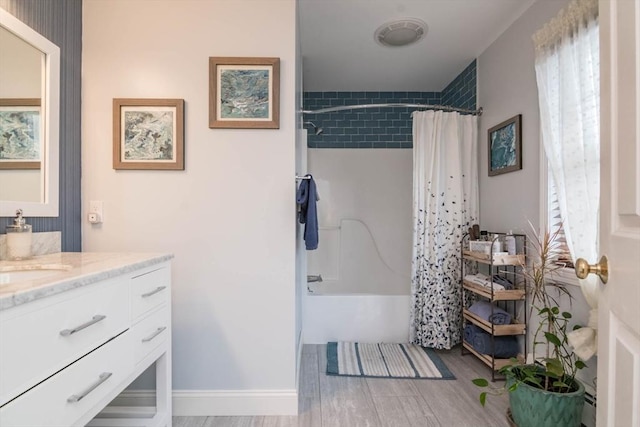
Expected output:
(235, 402)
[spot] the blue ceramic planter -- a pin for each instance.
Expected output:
(533, 407)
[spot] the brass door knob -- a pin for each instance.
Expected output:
(583, 269)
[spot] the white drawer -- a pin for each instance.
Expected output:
(55, 401)
(34, 344)
(150, 333)
(149, 290)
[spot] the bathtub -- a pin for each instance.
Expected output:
(355, 317)
(362, 297)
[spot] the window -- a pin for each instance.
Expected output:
(567, 75)
(554, 222)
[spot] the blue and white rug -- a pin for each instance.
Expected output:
(385, 361)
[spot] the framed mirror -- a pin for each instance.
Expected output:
(29, 120)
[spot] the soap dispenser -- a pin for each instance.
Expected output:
(19, 238)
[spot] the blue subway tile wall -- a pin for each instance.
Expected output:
(385, 127)
(461, 92)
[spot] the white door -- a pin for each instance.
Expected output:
(619, 304)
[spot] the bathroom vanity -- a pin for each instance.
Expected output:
(75, 330)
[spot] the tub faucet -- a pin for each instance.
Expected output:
(312, 279)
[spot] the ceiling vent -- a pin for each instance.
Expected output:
(401, 32)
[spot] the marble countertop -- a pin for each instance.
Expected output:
(69, 270)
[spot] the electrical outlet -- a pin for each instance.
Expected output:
(96, 215)
(94, 218)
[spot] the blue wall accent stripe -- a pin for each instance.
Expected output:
(61, 22)
(380, 127)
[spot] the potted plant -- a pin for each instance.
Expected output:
(546, 392)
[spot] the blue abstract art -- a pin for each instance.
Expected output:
(244, 92)
(20, 134)
(505, 146)
(148, 135)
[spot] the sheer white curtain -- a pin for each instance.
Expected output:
(567, 72)
(445, 204)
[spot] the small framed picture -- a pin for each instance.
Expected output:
(244, 93)
(505, 146)
(20, 133)
(148, 134)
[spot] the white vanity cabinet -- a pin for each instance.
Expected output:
(64, 357)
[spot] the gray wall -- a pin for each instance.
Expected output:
(506, 87)
(61, 22)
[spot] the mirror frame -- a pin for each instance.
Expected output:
(50, 185)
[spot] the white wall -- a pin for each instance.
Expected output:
(229, 217)
(21, 65)
(373, 186)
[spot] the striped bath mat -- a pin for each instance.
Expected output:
(385, 361)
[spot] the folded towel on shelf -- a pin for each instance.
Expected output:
(470, 331)
(482, 280)
(504, 282)
(308, 214)
(490, 312)
(502, 347)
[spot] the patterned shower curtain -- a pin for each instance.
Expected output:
(445, 205)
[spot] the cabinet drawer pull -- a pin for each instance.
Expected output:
(78, 397)
(154, 334)
(95, 319)
(153, 292)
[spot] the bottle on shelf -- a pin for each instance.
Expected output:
(510, 243)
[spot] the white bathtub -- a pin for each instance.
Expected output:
(355, 317)
(362, 297)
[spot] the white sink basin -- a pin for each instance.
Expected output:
(16, 276)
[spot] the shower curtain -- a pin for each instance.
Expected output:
(445, 205)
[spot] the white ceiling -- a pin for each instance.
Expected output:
(340, 54)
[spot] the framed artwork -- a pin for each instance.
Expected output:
(505, 146)
(20, 133)
(244, 93)
(148, 134)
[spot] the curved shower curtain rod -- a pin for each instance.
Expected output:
(477, 112)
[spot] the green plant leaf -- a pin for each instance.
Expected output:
(480, 382)
(566, 315)
(553, 339)
(483, 398)
(554, 368)
(513, 387)
(576, 327)
(543, 310)
(580, 364)
(533, 381)
(555, 310)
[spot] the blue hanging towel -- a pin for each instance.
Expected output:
(308, 214)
